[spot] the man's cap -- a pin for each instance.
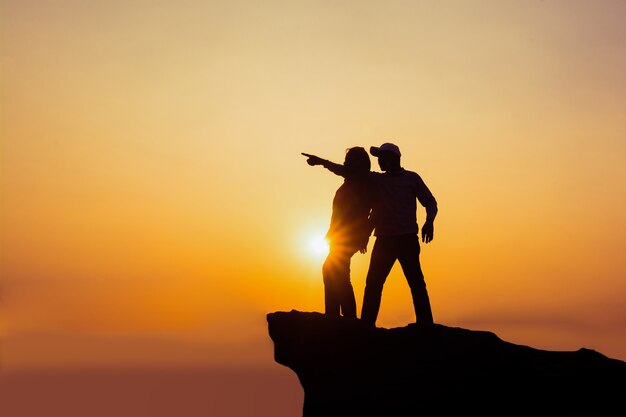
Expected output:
(385, 147)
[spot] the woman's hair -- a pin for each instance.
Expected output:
(357, 160)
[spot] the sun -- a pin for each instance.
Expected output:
(311, 243)
(318, 245)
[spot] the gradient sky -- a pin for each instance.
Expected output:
(155, 205)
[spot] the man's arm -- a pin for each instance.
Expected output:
(427, 200)
(428, 229)
(336, 169)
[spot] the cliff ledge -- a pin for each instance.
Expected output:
(350, 370)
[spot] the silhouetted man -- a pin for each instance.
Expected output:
(396, 231)
(394, 218)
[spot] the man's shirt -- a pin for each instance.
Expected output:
(395, 211)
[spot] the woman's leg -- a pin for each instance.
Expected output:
(331, 291)
(338, 291)
(346, 292)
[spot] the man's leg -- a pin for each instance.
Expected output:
(381, 262)
(409, 252)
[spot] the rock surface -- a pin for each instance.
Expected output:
(347, 369)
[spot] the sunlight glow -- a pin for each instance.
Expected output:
(318, 246)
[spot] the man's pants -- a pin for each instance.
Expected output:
(406, 249)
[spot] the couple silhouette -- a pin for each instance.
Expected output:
(384, 203)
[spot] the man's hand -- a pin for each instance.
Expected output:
(363, 248)
(427, 232)
(313, 160)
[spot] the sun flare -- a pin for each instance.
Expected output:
(318, 246)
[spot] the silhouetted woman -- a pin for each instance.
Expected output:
(349, 230)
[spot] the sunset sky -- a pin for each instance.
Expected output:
(155, 205)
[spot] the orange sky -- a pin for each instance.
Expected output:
(155, 205)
